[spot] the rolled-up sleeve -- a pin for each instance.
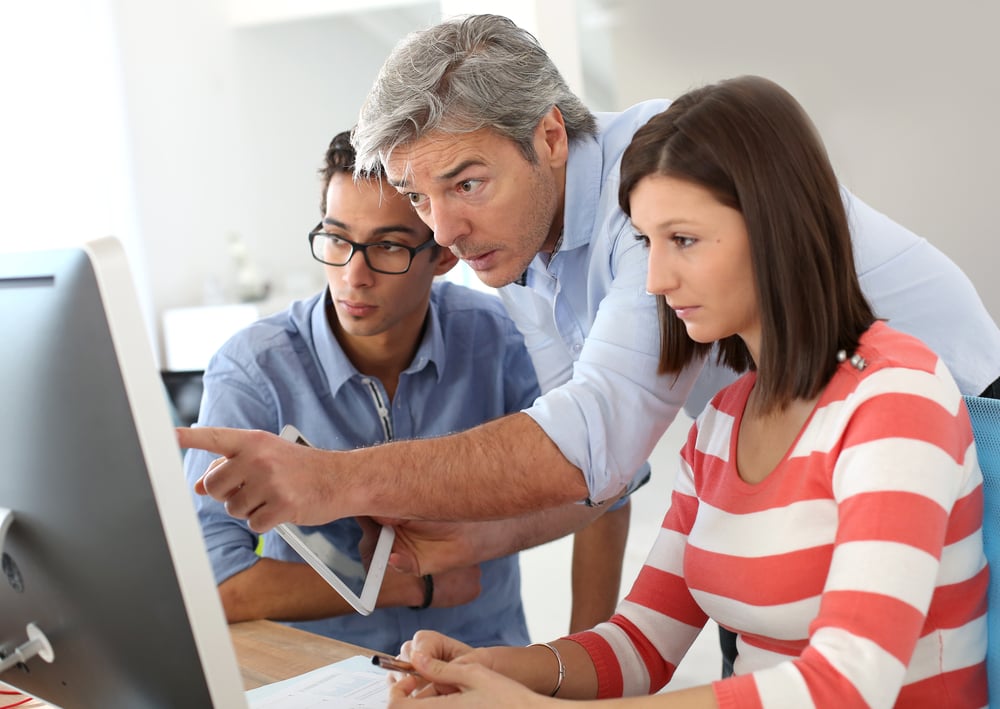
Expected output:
(230, 399)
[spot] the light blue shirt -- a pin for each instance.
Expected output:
(470, 367)
(594, 337)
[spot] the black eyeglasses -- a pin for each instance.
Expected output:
(381, 257)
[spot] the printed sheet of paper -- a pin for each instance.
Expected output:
(349, 684)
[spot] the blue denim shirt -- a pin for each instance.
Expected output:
(471, 366)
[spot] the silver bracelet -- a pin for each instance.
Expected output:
(562, 667)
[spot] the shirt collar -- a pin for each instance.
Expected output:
(584, 168)
(339, 369)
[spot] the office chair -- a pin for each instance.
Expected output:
(985, 415)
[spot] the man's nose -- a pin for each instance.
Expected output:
(357, 272)
(449, 223)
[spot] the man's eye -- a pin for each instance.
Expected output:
(387, 247)
(416, 199)
(468, 185)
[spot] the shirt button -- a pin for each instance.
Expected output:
(577, 348)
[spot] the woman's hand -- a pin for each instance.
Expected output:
(430, 645)
(466, 682)
(505, 676)
(433, 645)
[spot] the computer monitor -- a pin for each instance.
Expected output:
(103, 553)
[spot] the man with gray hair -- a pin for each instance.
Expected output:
(476, 127)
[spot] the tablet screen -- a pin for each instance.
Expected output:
(345, 573)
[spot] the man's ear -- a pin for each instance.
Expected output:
(446, 261)
(551, 140)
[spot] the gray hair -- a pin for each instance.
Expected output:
(467, 73)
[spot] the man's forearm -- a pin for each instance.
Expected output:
(504, 468)
(423, 547)
(598, 552)
(501, 469)
(279, 590)
(288, 590)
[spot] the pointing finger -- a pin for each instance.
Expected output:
(224, 441)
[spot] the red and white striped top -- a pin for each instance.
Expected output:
(853, 574)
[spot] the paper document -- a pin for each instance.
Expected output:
(349, 684)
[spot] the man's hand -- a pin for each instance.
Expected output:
(268, 480)
(263, 478)
(423, 547)
(453, 585)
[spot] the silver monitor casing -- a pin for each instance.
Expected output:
(104, 554)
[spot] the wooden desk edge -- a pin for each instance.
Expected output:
(269, 652)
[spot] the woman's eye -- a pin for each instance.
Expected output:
(683, 241)
(642, 237)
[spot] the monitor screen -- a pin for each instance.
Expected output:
(103, 553)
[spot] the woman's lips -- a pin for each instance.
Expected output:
(684, 311)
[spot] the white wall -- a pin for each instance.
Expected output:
(206, 128)
(229, 126)
(65, 171)
(230, 123)
(906, 96)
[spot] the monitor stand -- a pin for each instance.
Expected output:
(37, 643)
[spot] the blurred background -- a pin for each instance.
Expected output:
(193, 129)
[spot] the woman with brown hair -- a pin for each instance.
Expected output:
(828, 507)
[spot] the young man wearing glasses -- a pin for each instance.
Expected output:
(382, 353)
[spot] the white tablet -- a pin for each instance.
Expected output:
(348, 576)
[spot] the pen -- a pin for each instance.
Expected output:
(391, 663)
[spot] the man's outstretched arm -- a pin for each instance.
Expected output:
(504, 468)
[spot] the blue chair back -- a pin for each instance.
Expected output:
(985, 415)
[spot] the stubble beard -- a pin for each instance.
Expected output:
(541, 212)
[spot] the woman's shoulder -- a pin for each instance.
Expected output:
(883, 346)
(888, 361)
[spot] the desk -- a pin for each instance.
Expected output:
(269, 652)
